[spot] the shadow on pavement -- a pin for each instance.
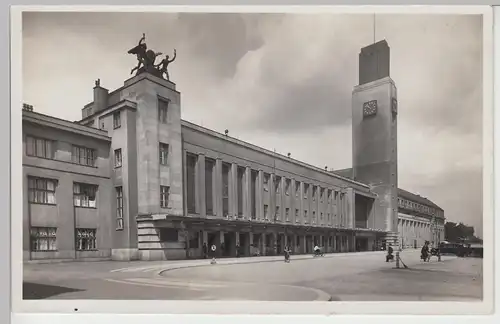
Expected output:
(38, 291)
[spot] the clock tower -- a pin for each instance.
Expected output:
(374, 135)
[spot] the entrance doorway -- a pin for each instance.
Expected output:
(255, 249)
(229, 244)
(361, 244)
(309, 242)
(244, 244)
(279, 243)
(269, 245)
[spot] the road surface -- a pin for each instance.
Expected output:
(337, 277)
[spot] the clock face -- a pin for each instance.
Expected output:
(394, 106)
(370, 108)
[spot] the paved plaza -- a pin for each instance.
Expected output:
(334, 277)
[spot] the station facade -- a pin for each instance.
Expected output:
(133, 181)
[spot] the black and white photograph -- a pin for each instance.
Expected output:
(274, 156)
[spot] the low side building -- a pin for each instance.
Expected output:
(67, 190)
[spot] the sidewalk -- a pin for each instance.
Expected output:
(180, 264)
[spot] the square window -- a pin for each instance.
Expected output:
(43, 239)
(84, 195)
(86, 239)
(42, 191)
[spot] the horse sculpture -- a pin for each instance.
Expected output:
(146, 59)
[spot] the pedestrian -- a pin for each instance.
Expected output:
(389, 256)
(424, 252)
(287, 254)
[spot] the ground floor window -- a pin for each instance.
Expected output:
(43, 239)
(169, 235)
(85, 239)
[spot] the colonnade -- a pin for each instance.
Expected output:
(237, 191)
(414, 232)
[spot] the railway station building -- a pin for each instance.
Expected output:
(131, 180)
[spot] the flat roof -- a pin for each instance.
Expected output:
(50, 121)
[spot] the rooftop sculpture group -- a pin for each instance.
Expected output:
(146, 60)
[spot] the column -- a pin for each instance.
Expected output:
(334, 243)
(342, 210)
(184, 177)
(218, 187)
(339, 210)
(263, 242)
(413, 229)
(201, 208)
(331, 208)
(301, 203)
(402, 231)
(292, 201)
(247, 207)
(233, 197)
(318, 205)
(260, 195)
(282, 200)
(272, 197)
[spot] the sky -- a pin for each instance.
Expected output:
(285, 81)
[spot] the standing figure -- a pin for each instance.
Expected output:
(424, 253)
(389, 256)
(146, 58)
(163, 65)
(287, 254)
